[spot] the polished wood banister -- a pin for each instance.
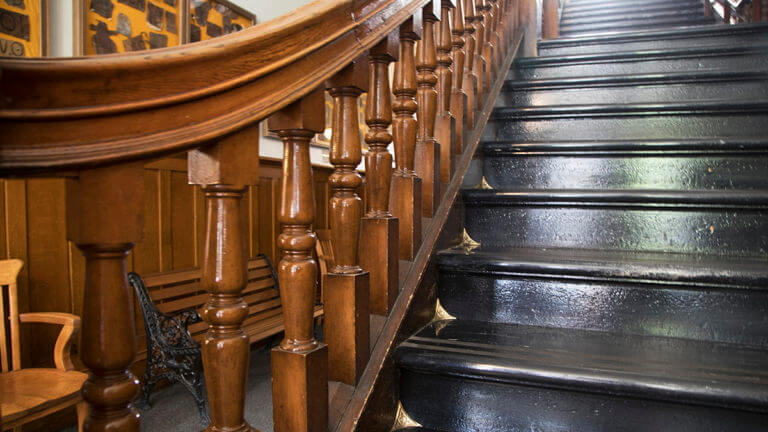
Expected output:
(61, 114)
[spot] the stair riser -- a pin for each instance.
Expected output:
(702, 313)
(559, 225)
(570, 13)
(641, 66)
(628, 93)
(746, 125)
(631, 25)
(627, 171)
(456, 404)
(692, 42)
(632, 16)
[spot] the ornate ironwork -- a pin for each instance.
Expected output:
(172, 354)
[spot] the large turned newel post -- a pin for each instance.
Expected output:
(346, 285)
(549, 24)
(379, 228)
(460, 103)
(405, 200)
(472, 82)
(299, 363)
(223, 170)
(448, 131)
(104, 219)
(427, 165)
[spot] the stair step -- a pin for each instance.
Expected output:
(682, 37)
(609, 122)
(465, 376)
(697, 222)
(598, 6)
(722, 57)
(662, 165)
(597, 12)
(597, 28)
(657, 294)
(630, 89)
(632, 16)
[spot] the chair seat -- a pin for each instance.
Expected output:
(28, 391)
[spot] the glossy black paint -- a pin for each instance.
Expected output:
(468, 376)
(571, 12)
(636, 24)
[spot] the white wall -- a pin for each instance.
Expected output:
(266, 10)
(61, 28)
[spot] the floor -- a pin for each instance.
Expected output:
(173, 409)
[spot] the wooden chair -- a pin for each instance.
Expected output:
(33, 393)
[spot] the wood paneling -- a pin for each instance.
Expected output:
(33, 221)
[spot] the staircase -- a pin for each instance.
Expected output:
(614, 270)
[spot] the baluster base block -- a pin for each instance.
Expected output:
(379, 256)
(347, 325)
(405, 204)
(445, 133)
(300, 390)
(427, 166)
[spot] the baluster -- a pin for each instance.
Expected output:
(528, 21)
(472, 20)
(472, 83)
(427, 165)
(299, 363)
(496, 34)
(223, 171)
(405, 200)
(379, 227)
(104, 209)
(488, 48)
(448, 131)
(460, 102)
(346, 285)
(549, 24)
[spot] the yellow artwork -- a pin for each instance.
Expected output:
(21, 28)
(211, 18)
(131, 25)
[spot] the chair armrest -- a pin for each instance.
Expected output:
(62, 355)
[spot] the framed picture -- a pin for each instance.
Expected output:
(324, 139)
(24, 29)
(115, 26)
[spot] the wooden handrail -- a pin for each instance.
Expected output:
(62, 114)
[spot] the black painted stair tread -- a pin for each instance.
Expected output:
(637, 8)
(491, 148)
(759, 106)
(629, 25)
(658, 368)
(642, 15)
(579, 7)
(586, 264)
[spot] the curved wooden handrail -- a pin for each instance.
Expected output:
(62, 114)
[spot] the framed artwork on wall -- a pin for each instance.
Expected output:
(24, 30)
(116, 26)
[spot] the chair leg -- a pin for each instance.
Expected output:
(82, 413)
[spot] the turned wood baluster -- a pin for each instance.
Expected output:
(492, 11)
(460, 100)
(427, 165)
(527, 10)
(473, 80)
(448, 128)
(300, 362)
(549, 21)
(405, 200)
(223, 171)
(487, 50)
(379, 228)
(104, 209)
(346, 285)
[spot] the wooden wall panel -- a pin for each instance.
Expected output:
(33, 228)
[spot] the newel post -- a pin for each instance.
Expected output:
(223, 170)
(346, 285)
(473, 84)
(299, 363)
(104, 220)
(405, 200)
(379, 228)
(460, 102)
(427, 165)
(549, 22)
(448, 128)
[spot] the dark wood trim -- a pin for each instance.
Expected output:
(376, 372)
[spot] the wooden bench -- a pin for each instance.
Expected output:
(173, 301)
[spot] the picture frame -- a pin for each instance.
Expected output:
(25, 28)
